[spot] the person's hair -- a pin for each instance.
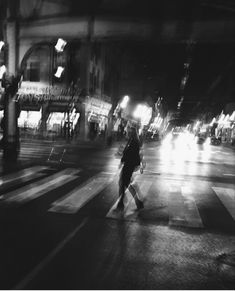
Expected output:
(134, 134)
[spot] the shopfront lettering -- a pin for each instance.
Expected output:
(46, 97)
(40, 88)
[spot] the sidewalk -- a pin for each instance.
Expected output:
(7, 167)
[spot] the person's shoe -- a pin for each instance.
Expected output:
(139, 204)
(120, 206)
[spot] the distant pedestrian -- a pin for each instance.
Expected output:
(130, 162)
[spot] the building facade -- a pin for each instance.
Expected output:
(76, 103)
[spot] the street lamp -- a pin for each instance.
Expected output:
(143, 113)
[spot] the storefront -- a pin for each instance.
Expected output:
(97, 113)
(155, 127)
(46, 109)
(224, 127)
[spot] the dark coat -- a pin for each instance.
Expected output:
(131, 154)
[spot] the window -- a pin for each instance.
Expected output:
(38, 65)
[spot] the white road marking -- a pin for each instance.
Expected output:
(23, 284)
(79, 196)
(227, 197)
(182, 208)
(129, 203)
(229, 175)
(37, 189)
(175, 206)
(191, 211)
(22, 174)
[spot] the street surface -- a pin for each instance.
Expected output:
(60, 229)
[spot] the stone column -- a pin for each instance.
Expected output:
(11, 132)
(44, 117)
(84, 84)
(83, 122)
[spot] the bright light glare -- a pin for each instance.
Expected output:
(1, 44)
(2, 71)
(207, 142)
(60, 45)
(124, 102)
(196, 125)
(137, 112)
(213, 121)
(167, 139)
(29, 118)
(221, 118)
(55, 119)
(144, 113)
(59, 72)
(232, 117)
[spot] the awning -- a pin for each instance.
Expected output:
(59, 107)
(30, 107)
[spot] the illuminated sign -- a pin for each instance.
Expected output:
(44, 88)
(39, 91)
(97, 106)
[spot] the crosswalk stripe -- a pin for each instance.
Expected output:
(22, 175)
(37, 189)
(182, 208)
(32, 155)
(130, 207)
(227, 197)
(29, 152)
(79, 196)
(175, 206)
(191, 211)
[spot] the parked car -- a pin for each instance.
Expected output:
(215, 140)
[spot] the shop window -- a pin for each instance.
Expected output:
(33, 72)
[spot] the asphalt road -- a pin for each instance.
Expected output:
(60, 229)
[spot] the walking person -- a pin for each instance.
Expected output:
(130, 162)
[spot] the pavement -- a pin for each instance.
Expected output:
(9, 166)
(205, 260)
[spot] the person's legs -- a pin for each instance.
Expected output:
(124, 181)
(135, 195)
(122, 190)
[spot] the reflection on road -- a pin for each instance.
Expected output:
(182, 155)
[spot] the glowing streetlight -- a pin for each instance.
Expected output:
(60, 45)
(144, 113)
